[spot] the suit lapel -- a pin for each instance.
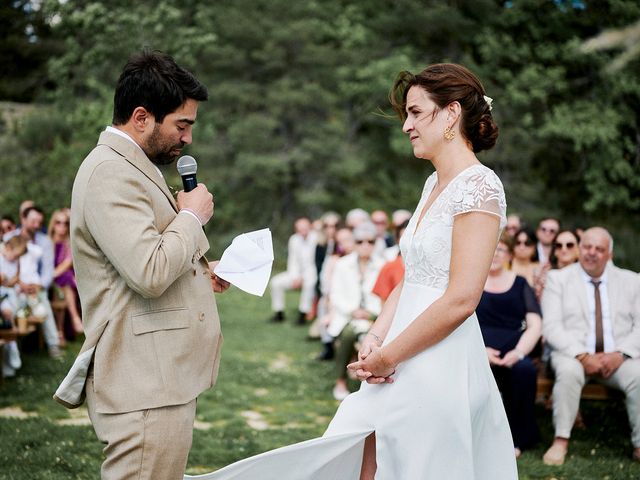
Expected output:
(136, 157)
(613, 290)
(581, 292)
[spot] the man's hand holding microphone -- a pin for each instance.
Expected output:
(196, 199)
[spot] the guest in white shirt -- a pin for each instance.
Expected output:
(353, 305)
(591, 312)
(36, 271)
(301, 273)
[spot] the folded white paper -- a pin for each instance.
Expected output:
(247, 262)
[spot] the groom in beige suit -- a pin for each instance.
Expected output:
(592, 323)
(152, 329)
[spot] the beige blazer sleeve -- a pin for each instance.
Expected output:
(147, 259)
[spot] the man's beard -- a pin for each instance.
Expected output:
(157, 149)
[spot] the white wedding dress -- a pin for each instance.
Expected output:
(443, 417)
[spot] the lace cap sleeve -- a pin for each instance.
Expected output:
(480, 191)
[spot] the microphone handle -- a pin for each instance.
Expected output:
(189, 182)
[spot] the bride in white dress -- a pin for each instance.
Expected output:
(428, 407)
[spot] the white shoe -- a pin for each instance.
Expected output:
(340, 393)
(14, 355)
(7, 371)
(54, 352)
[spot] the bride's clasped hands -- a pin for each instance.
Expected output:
(372, 365)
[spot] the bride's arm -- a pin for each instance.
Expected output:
(378, 331)
(381, 326)
(474, 240)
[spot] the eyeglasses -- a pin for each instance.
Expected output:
(370, 242)
(526, 242)
(568, 245)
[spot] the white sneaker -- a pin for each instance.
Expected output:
(340, 393)
(13, 355)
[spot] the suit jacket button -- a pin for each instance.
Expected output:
(201, 317)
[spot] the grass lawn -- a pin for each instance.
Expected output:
(270, 392)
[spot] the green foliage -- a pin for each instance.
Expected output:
(298, 90)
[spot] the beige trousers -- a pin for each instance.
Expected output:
(570, 378)
(146, 444)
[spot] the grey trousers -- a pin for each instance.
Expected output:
(570, 378)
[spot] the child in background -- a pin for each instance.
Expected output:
(10, 253)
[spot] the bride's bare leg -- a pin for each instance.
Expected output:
(369, 466)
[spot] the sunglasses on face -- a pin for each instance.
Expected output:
(526, 242)
(568, 245)
(370, 242)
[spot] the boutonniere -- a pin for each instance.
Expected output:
(174, 191)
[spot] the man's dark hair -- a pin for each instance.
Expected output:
(153, 80)
(28, 210)
(8, 217)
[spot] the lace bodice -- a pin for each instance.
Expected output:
(427, 251)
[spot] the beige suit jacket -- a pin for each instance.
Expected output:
(150, 316)
(565, 310)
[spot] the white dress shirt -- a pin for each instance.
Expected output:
(607, 331)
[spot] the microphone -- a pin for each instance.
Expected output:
(187, 168)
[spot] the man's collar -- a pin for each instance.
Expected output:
(587, 278)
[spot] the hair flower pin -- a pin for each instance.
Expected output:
(489, 101)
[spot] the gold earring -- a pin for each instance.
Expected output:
(449, 134)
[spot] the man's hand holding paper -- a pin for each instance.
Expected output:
(247, 262)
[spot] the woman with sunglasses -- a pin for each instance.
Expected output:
(564, 252)
(565, 249)
(63, 276)
(525, 256)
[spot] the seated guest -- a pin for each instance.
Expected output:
(384, 239)
(592, 324)
(353, 305)
(6, 225)
(344, 246)
(547, 229)
(509, 318)
(355, 217)
(300, 274)
(525, 256)
(514, 225)
(326, 243)
(392, 272)
(36, 270)
(564, 252)
(565, 249)
(10, 253)
(63, 276)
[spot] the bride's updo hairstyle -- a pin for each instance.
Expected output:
(446, 83)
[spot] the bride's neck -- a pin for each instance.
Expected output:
(451, 161)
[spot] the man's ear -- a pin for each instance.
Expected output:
(140, 119)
